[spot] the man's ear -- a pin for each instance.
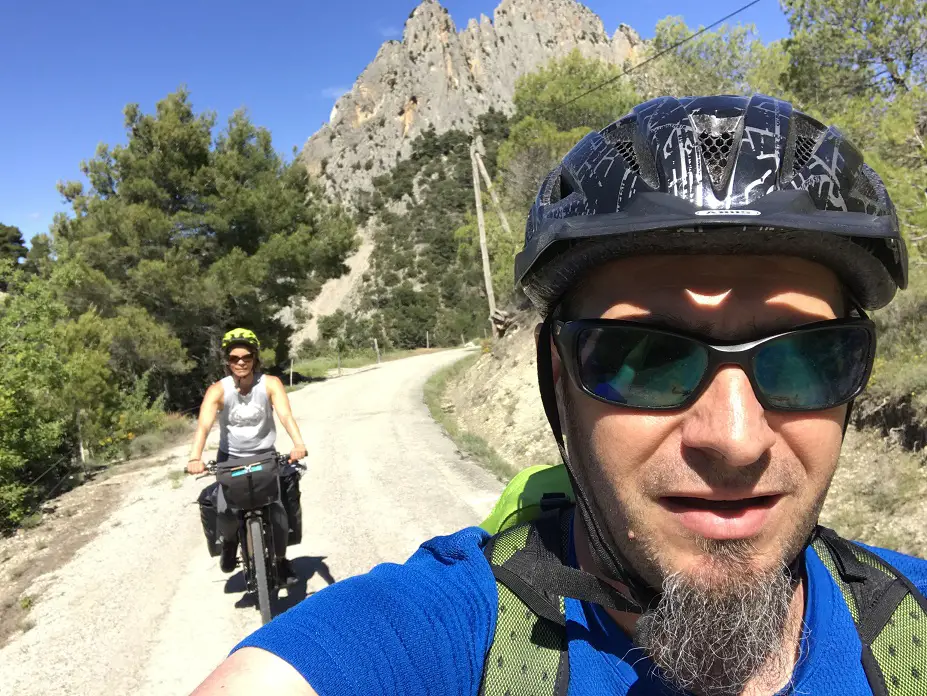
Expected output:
(554, 355)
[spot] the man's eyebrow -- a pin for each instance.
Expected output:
(674, 322)
(706, 329)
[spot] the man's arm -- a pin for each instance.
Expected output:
(281, 403)
(254, 671)
(212, 402)
(416, 629)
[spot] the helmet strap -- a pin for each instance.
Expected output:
(609, 558)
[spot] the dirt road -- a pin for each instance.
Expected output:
(143, 609)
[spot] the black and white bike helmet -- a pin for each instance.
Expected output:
(719, 175)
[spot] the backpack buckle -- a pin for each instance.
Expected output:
(554, 501)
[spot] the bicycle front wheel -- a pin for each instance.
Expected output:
(259, 558)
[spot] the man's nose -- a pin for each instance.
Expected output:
(727, 424)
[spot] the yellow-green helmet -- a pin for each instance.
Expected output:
(240, 337)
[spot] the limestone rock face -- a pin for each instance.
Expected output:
(439, 77)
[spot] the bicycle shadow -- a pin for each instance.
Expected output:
(305, 567)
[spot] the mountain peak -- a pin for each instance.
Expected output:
(430, 19)
(437, 77)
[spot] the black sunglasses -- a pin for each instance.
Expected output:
(241, 359)
(625, 363)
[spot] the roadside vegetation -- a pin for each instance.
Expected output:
(115, 316)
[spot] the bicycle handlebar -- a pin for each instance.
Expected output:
(282, 459)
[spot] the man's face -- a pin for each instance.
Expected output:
(659, 478)
(241, 361)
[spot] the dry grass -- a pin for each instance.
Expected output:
(176, 477)
(442, 410)
(895, 400)
(879, 494)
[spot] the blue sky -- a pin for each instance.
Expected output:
(69, 68)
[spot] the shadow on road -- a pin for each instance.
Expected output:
(306, 567)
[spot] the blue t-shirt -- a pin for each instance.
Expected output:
(423, 628)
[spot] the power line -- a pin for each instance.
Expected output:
(654, 57)
(46, 472)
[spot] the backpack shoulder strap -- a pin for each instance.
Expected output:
(889, 611)
(528, 653)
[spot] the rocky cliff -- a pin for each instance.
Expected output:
(439, 77)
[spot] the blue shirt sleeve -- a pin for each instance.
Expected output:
(422, 628)
(915, 569)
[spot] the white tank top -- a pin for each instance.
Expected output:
(246, 421)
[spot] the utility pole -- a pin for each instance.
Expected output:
(376, 347)
(492, 194)
(484, 251)
(427, 340)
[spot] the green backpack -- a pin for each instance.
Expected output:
(529, 653)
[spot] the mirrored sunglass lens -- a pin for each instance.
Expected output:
(638, 367)
(812, 369)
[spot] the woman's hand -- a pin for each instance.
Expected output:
(195, 466)
(298, 453)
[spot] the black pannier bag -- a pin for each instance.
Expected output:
(289, 487)
(248, 490)
(207, 502)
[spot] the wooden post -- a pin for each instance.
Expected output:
(492, 196)
(80, 438)
(484, 251)
(427, 340)
(463, 341)
(376, 347)
(291, 372)
(339, 359)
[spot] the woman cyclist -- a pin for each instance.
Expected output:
(245, 401)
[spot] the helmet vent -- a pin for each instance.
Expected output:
(716, 152)
(804, 150)
(620, 135)
(626, 151)
(805, 134)
(867, 190)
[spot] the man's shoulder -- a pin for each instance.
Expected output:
(442, 572)
(459, 554)
(439, 575)
(912, 567)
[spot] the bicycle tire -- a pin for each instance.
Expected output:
(259, 560)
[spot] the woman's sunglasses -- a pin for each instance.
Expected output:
(244, 359)
(810, 368)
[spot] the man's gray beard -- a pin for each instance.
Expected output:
(712, 639)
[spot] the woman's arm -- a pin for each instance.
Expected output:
(281, 403)
(212, 403)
